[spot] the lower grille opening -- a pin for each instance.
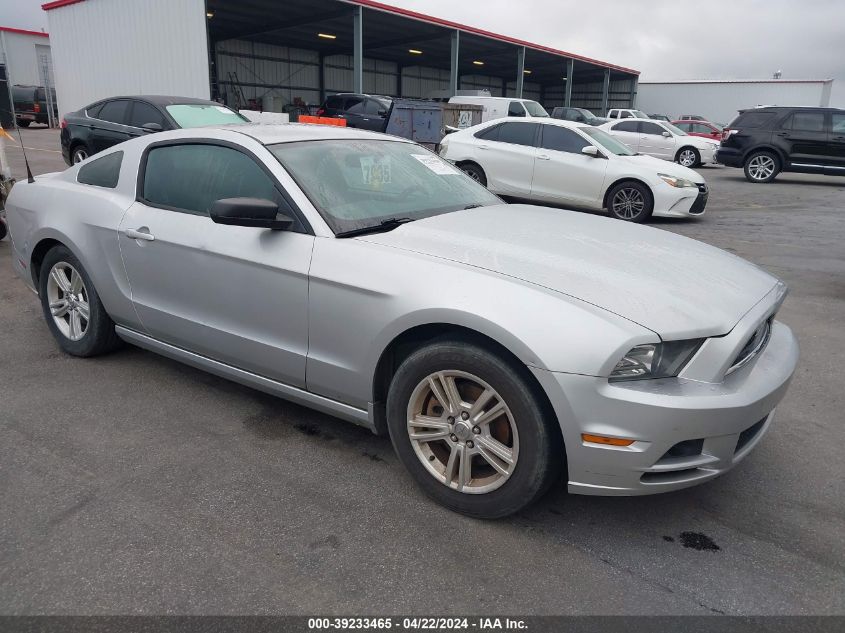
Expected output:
(672, 476)
(749, 434)
(687, 448)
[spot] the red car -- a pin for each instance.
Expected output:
(700, 128)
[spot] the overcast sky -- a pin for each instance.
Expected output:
(664, 39)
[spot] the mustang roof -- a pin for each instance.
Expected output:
(268, 134)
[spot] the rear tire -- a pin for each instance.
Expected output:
(23, 122)
(475, 172)
(72, 308)
(761, 167)
(630, 201)
(3, 230)
(500, 452)
(688, 157)
(79, 153)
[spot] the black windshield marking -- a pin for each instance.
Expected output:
(381, 227)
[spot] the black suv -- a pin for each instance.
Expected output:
(368, 112)
(768, 140)
(579, 115)
(111, 121)
(31, 105)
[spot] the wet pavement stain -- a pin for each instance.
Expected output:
(669, 539)
(373, 456)
(313, 431)
(698, 541)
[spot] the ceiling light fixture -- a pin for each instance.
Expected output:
(327, 36)
(209, 14)
(478, 63)
(527, 72)
(414, 51)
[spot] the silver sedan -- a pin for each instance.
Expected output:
(499, 346)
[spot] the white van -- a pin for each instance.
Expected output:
(499, 107)
(619, 113)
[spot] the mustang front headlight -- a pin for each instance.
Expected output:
(655, 360)
(676, 182)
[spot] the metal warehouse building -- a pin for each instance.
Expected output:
(719, 100)
(278, 53)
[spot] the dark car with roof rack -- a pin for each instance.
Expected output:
(767, 140)
(111, 121)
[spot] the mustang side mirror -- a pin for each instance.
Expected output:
(255, 212)
(591, 150)
(151, 127)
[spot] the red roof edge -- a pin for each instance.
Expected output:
(379, 6)
(9, 29)
(58, 3)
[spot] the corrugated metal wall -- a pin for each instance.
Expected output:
(272, 74)
(22, 64)
(103, 48)
(589, 95)
(720, 101)
(380, 77)
(420, 81)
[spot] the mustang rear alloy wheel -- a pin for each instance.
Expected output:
(471, 430)
(72, 308)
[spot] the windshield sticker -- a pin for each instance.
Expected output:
(435, 164)
(375, 171)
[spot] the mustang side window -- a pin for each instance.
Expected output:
(191, 177)
(101, 172)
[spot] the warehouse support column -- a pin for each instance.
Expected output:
(633, 99)
(358, 50)
(520, 70)
(570, 73)
(321, 77)
(605, 92)
(453, 68)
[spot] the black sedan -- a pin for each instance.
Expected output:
(111, 121)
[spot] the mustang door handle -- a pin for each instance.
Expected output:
(544, 157)
(138, 235)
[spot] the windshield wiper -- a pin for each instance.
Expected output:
(383, 226)
(473, 206)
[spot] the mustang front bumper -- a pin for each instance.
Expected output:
(686, 429)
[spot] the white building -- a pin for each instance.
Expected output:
(719, 100)
(25, 54)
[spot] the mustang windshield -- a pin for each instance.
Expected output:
(356, 184)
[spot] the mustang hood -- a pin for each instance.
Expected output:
(673, 285)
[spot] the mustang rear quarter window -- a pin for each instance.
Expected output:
(101, 172)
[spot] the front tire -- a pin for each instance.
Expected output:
(761, 167)
(471, 430)
(23, 122)
(475, 172)
(688, 157)
(630, 201)
(72, 308)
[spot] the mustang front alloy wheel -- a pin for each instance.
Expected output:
(471, 429)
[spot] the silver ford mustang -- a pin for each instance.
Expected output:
(359, 274)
